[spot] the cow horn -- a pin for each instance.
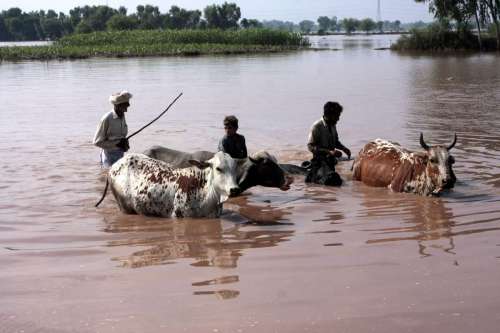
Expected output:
(453, 143)
(422, 142)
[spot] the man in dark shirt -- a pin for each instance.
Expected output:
(232, 143)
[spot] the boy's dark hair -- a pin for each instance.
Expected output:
(231, 121)
(332, 108)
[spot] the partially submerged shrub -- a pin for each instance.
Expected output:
(440, 37)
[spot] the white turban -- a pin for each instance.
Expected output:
(121, 97)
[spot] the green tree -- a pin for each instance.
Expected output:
(494, 9)
(149, 17)
(225, 16)
(122, 11)
(334, 25)
(280, 25)
(52, 28)
(14, 27)
(380, 26)
(397, 25)
(179, 18)
(4, 33)
(75, 15)
(462, 11)
(51, 14)
(18, 25)
(67, 27)
(13, 12)
(83, 28)
(306, 26)
(99, 16)
(324, 23)
(122, 22)
(367, 25)
(350, 25)
(250, 23)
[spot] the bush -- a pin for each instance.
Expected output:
(242, 37)
(440, 37)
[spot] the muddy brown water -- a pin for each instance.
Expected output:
(312, 259)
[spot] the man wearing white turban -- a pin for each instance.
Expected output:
(111, 134)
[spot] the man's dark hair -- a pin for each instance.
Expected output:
(231, 121)
(332, 109)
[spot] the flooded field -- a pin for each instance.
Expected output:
(312, 259)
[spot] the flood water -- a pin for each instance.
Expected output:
(312, 259)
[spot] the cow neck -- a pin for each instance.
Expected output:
(421, 180)
(211, 195)
(243, 172)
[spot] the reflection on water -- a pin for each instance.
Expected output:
(425, 220)
(210, 243)
(221, 294)
(260, 213)
(354, 42)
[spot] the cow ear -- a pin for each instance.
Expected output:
(199, 164)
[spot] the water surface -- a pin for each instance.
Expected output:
(315, 259)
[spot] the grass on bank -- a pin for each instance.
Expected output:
(438, 38)
(139, 43)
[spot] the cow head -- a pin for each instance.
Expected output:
(223, 174)
(439, 165)
(262, 169)
(323, 174)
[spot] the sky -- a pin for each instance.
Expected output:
(286, 10)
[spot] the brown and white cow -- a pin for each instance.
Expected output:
(147, 186)
(386, 164)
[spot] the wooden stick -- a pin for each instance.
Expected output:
(161, 114)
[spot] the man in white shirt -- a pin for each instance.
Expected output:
(111, 134)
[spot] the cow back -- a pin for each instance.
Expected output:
(380, 162)
(148, 186)
(175, 158)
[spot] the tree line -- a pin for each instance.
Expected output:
(349, 25)
(16, 25)
(325, 25)
(467, 15)
(41, 25)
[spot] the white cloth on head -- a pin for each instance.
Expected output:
(121, 97)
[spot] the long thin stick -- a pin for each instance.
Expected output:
(161, 114)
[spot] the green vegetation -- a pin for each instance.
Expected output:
(367, 25)
(464, 15)
(16, 25)
(439, 37)
(215, 36)
(140, 43)
(350, 25)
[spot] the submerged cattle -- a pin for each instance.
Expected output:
(259, 169)
(383, 163)
(147, 186)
